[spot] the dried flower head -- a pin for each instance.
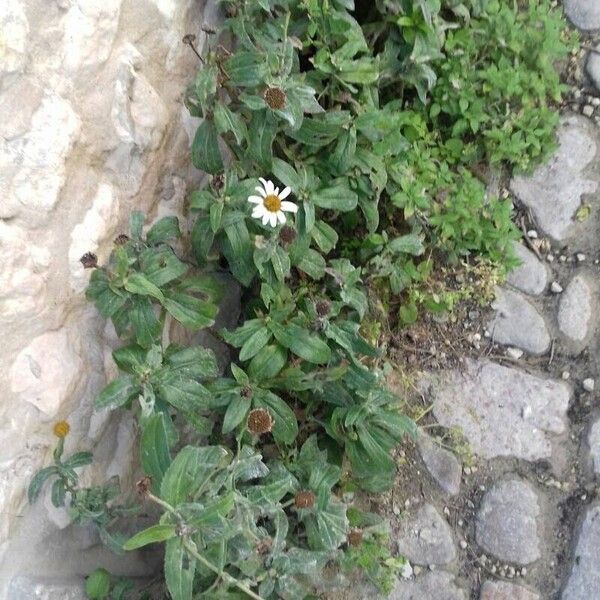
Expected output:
(304, 499)
(121, 239)
(275, 98)
(355, 537)
(89, 260)
(287, 235)
(259, 421)
(143, 485)
(246, 392)
(322, 307)
(61, 429)
(189, 38)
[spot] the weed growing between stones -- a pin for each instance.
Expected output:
(343, 146)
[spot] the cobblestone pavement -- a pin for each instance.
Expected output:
(522, 522)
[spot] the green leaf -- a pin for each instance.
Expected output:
(118, 392)
(183, 393)
(146, 327)
(327, 529)
(285, 425)
(156, 533)
(246, 69)
(154, 449)
(338, 197)
(236, 412)
(262, 133)
(202, 238)
(312, 263)
(130, 358)
(189, 470)
(195, 361)
(37, 481)
(407, 244)
(206, 154)
(255, 343)
(136, 283)
(226, 120)
(287, 175)
(136, 223)
(238, 251)
(97, 584)
(243, 333)
(189, 310)
(180, 568)
(302, 343)
(325, 236)
(58, 493)
(107, 301)
(79, 459)
(161, 266)
(163, 230)
(267, 363)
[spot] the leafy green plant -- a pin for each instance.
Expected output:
(340, 144)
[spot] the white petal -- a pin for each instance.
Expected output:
(285, 192)
(276, 192)
(255, 199)
(289, 207)
(273, 219)
(269, 187)
(266, 217)
(263, 181)
(281, 217)
(258, 212)
(261, 191)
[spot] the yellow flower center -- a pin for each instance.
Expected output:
(61, 429)
(272, 203)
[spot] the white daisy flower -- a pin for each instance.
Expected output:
(271, 204)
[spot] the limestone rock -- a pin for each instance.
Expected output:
(502, 590)
(554, 191)
(25, 588)
(584, 14)
(584, 580)
(518, 323)
(435, 585)
(442, 464)
(531, 276)
(501, 411)
(507, 522)
(575, 310)
(46, 371)
(425, 538)
(592, 67)
(594, 444)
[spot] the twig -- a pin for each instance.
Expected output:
(528, 241)
(552, 352)
(189, 39)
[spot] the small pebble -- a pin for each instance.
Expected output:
(550, 258)
(556, 288)
(417, 570)
(524, 571)
(407, 571)
(432, 567)
(446, 511)
(596, 101)
(565, 375)
(577, 94)
(562, 258)
(467, 470)
(515, 353)
(493, 569)
(588, 384)
(588, 110)
(532, 234)
(460, 523)
(463, 544)
(580, 257)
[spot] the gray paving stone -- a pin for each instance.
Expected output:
(575, 309)
(28, 588)
(554, 190)
(531, 276)
(592, 67)
(584, 580)
(594, 443)
(501, 411)
(507, 522)
(435, 585)
(502, 590)
(518, 323)
(442, 464)
(584, 14)
(425, 538)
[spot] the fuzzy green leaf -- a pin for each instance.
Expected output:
(118, 392)
(156, 533)
(206, 154)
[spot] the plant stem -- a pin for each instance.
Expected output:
(225, 576)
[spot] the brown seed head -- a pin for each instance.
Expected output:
(275, 98)
(322, 307)
(304, 499)
(89, 260)
(246, 392)
(355, 537)
(61, 429)
(143, 485)
(189, 39)
(259, 421)
(287, 235)
(121, 239)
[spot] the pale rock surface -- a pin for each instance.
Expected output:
(518, 323)
(507, 522)
(442, 464)
(531, 276)
(575, 310)
(592, 66)
(425, 538)
(502, 411)
(594, 444)
(555, 189)
(435, 585)
(584, 580)
(96, 128)
(584, 14)
(502, 590)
